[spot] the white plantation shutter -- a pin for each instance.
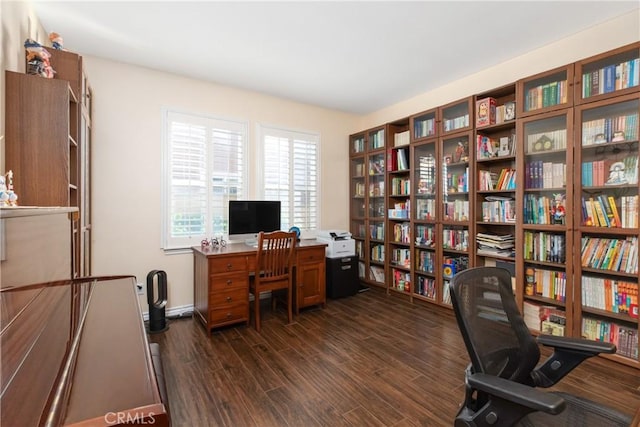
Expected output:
(204, 165)
(290, 174)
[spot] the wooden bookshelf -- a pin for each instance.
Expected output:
(538, 151)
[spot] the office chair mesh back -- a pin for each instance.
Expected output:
(499, 343)
(497, 339)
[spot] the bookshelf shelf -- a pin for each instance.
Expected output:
(525, 177)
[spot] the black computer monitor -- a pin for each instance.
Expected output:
(249, 217)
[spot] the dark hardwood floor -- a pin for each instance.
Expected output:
(366, 360)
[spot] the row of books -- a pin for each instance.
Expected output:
(457, 239)
(425, 235)
(360, 230)
(599, 173)
(611, 295)
(398, 159)
(456, 210)
(544, 318)
(545, 247)
(604, 211)
(504, 180)
(611, 78)
(401, 138)
(455, 123)
(426, 261)
(376, 231)
(426, 209)
(498, 209)
(401, 256)
(610, 129)
(426, 287)
(402, 232)
(358, 145)
(358, 170)
(453, 265)
(624, 337)
(547, 141)
(376, 189)
(376, 273)
(544, 210)
(546, 283)
(423, 128)
(446, 295)
(501, 245)
(401, 280)
(458, 182)
(610, 254)
(426, 174)
(541, 174)
(359, 248)
(376, 140)
(400, 186)
(377, 253)
(546, 95)
(358, 190)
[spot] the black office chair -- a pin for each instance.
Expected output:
(502, 379)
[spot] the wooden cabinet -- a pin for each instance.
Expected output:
(608, 74)
(545, 273)
(398, 196)
(69, 67)
(606, 223)
(48, 145)
(221, 281)
(547, 91)
(539, 177)
(310, 279)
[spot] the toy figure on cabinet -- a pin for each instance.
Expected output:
(558, 211)
(7, 196)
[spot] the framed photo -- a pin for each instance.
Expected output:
(447, 159)
(509, 110)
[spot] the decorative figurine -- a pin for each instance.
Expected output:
(558, 211)
(7, 196)
(616, 174)
(56, 40)
(618, 136)
(38, 59)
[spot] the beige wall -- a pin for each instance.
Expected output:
(17, 23)
(599, 38)
(127, 126)
(127, 136)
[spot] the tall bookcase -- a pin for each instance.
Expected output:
(399, 207)
(424, 212)
(539, 176)
(495, 199)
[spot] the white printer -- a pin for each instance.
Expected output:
(339, 243)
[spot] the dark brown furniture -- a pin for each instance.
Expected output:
(274, 270)
(221, 281)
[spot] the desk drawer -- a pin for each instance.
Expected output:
(227, 264)
(227, 298)
(229, 314)
(222, 282)
(311, 255)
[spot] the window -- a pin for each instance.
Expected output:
(204, 167)
(289, 173)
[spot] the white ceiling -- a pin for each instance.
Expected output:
(352, 56)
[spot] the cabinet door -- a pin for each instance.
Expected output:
(310, 284)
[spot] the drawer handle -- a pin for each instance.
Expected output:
(229, 282)
(228, 299)
(229, 266)
(228, 315)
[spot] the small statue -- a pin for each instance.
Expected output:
(56, 40)
(558, 211)
(616, 174)
(7, 196)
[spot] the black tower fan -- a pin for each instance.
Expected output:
(157, 304)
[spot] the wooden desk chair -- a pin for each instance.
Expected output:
(274, 269)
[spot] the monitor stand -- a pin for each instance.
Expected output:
(251, 242)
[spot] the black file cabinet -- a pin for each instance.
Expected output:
(342, 277)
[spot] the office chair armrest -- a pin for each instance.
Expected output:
(567, 354)
(517, 393)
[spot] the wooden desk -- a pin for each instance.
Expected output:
(221, 281)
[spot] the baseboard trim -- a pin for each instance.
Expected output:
(180, 311)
